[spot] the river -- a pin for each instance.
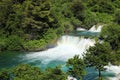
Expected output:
(67, 47)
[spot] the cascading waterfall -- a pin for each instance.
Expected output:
(67, 47)
(96, 29)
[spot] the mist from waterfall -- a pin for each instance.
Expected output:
(67, 47)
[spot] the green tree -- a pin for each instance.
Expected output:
(54, 74)
(117, 16)
(98, 56)
(116, 3)
(6, 9)
(49, 36)
(14, 43)
(78, 8)
(102, 6)
(4, 75)
(76, 67)
(90, 19)
(111, 34)
(26, 72)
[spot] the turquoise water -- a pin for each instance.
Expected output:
(44, 60)
(85, 33)
(9, 59)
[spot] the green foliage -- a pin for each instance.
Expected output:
(27, 72)
(111, 34)
(14, 43)
(54, 74)
(104, 18)
(4, 75)
(34, 45)
(32, 19)
(102, 6)
(78, 8)
(76, 67)
(90, 19)
(76, 22)
(98, 56)
(5, 7)
(2, 44)
(50, 35)
(117, 3)
(25, 21)
(117, 16)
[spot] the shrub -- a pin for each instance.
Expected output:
(35, 44)
(14, 43)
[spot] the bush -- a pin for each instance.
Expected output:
(35, 44)
(104, 17)
(14, 43)
(50, 36)
(117, 16)
(27, 72)
(2, 44)
(90, 19)
(102, 6)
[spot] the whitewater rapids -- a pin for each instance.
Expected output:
(67, 47)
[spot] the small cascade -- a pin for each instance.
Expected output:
(81, 29)
(80, 44)
(95, 29)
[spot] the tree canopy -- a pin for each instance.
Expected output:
(98, 56)
(76, 67)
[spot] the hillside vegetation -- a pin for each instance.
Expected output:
(33, 24)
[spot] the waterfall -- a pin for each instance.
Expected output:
(92, 29)
(81, 29)
(95, 29)
(67, 47)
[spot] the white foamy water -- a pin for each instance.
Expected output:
(67, 47)
(114, 69)
(96, 29)
(81, 29)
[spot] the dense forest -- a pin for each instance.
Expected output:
(33, 24)
(30, 25)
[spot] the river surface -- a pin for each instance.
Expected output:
(67, 47)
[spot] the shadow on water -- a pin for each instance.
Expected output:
(10, 58)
